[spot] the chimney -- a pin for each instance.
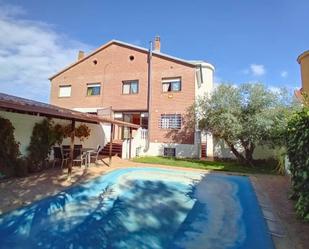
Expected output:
(81, 55)
(157, 44)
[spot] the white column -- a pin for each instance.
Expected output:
(210, 145)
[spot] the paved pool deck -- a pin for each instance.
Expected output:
(272, 192)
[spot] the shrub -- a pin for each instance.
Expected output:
(82, 131)
(298, 153)
(40, 145)
(9, 149)
(45, 135)
(21, 167)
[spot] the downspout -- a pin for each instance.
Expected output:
(149, 61)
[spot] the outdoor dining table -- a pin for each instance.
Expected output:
(87, 151)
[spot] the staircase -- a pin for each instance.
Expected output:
(203, 147)
(116, 149)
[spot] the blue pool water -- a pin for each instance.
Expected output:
(143, 208)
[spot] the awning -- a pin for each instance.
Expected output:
(21, 105)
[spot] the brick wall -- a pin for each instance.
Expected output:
(114, 66)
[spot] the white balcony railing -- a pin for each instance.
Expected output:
(138, 144)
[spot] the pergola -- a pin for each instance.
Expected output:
(15, 104)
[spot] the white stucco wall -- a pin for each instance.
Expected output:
(204, 89)
(182, 150)
(206, 85)
(24, 124)
(221, 150)
(97, 136)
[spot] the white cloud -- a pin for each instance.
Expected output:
(257, 70)
(30, 52)
(283, 74)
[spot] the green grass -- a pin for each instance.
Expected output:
(208, 165)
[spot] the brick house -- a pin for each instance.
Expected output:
(114, 79)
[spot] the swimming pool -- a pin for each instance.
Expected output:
(143, 208)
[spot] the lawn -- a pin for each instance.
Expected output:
(199, 164)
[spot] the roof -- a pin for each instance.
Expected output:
(144, 50)
(302, 55)
(22, 105)
(203, 64)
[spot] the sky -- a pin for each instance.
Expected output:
(246, 40)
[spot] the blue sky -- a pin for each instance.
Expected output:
(246, 40)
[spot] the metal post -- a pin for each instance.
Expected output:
(149, 92)
(149, 81)
(130, 142)
(111, 144)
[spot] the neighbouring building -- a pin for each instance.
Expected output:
(113, 81)
(303, 60)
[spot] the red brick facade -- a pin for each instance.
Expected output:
(116, 63)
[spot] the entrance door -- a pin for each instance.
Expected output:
(134, 118)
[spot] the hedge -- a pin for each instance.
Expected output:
(298, 153)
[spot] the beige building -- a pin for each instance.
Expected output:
(114, 80)
(303, 60)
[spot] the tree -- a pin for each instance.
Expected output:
(244, 117)
(9, 149)
(40, 144)
(45, 135)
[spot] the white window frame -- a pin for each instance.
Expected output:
(93, 85)
(170, 121)
(65, 91)
(171, 81)
(129, 83)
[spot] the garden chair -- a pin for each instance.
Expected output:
(94, 155)
(66, 147)
(81, 159)
(59, 156)
(77, 150)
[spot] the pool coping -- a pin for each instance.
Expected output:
(277, 231)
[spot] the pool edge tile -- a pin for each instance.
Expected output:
(277, 231)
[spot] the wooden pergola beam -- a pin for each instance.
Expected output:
(70, 166)
(111, 144)
(130, 142)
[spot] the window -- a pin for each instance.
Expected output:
(169, 152)
(93, 89)
(171, 85)
(130, 87)
(199, 75)
(65, 91)
(170, 121)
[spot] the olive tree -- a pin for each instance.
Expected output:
(245, 116)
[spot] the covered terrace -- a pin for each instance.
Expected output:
(9, 103)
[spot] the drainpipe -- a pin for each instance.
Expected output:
(149, 60)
